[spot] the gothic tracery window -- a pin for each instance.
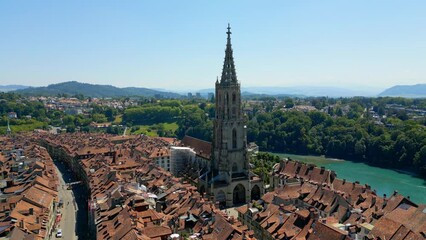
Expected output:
(234, 138)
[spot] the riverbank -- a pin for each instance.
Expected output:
(309, 159)
(385, 181)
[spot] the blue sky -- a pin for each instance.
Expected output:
(180, 44)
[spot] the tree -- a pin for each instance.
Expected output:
(289, 103)
(420, 159)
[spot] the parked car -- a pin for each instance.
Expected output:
(59, 233)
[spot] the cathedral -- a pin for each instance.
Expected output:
(229, 181)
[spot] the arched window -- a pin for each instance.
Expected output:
(227, 99)
(234, 98)
(239, 194)
(234, 138)
(255, 193)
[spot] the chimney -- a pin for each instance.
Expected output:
(21, 223)
(281, 165)
(158, 206)
(114, 156)
(385, 200)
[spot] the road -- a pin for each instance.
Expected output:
(69, 209)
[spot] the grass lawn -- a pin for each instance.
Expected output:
(145, 129)
(170, 126)
(118, 119)
(23, 127)
(151, 130)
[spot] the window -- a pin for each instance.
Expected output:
(234, 98)
(234, 138)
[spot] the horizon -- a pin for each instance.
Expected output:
(258, 89)
(154, 45)
(200, 89)
(304, 91)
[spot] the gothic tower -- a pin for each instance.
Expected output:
(230, 150)
(230, 163)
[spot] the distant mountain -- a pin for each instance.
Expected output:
(305, 91)
(8, 88)
(92, 90)
(409, 91)
(246, 94)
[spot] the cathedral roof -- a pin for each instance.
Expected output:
(201, 147)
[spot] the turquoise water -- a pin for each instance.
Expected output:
(385, 181)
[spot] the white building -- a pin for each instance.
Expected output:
(161, 157)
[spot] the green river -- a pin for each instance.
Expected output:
(385, 181)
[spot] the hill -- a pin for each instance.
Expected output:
(93, 90)
(409, 91)
(8, 88)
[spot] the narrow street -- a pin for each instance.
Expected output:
(69, 209)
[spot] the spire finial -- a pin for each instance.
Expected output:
(229, 31)
(228, 70)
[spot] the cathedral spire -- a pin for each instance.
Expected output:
(228, 71)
